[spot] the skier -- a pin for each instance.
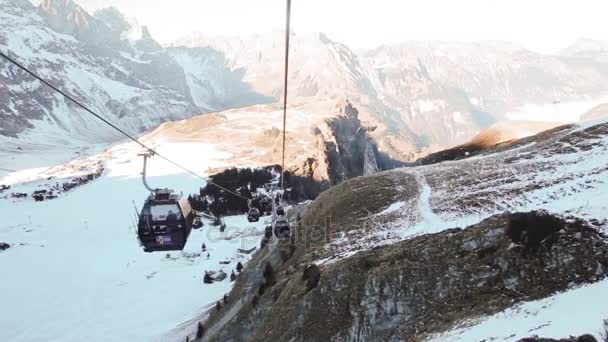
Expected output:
(204, 247)
(232, 276)
(239, 267)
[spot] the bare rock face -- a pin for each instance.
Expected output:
(66, 17)
(406, 291)
(311, 276)
(583, 338)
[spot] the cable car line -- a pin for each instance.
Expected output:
(287, 29)
(67, 96)
(7, 170)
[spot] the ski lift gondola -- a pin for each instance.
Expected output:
(253, 215)
(281, 229)
(165, 221)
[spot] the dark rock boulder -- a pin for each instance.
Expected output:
(583, 338)
(532, 228)
(4, 246)
(311, 276)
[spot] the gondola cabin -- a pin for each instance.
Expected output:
(281, 229)
(165, 222)
(253, 215)
(280, 211)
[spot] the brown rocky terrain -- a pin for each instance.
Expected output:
(409, 253)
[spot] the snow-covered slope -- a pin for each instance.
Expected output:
(549, 318)
(75, 270)
(106, 61)
(588, 49)
(432, 252)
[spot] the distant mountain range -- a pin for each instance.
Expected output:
(422, 95)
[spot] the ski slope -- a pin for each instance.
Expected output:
(76, 272)
(573, 313)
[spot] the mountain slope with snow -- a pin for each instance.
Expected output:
(75, 270)
(433, 252)
(130, 80)
(421, 94)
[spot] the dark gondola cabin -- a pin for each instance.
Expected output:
(281, 229)
(165, 222)
(280, 211)
(253, 215)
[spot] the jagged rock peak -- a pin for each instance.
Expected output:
(67, 17)
(67, 9)
(112, 17)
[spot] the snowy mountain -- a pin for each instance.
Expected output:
(111, 64)
(421, 94)
(596, 113)
(588, 49)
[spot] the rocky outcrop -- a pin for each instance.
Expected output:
(405, 291)
(583, 338)
(52, 190)
(394, 263)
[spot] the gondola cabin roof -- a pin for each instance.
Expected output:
(164, 195)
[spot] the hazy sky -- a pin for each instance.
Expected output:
(541, 25)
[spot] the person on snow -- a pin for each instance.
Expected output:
(239, 267)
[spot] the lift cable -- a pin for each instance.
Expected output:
(151, 150)
(287, 29)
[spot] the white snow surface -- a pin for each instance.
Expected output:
(562, 112)
(573, 313)
(75, 270)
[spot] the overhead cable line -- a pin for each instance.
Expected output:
(287, 29)
(22, 67)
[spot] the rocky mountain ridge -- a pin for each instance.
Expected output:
(393, 264)
(422, 96)
(112, 65)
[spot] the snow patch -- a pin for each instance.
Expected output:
(550, 318)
